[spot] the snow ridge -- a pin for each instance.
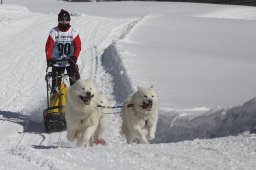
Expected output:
(218, 122)
(112, 63)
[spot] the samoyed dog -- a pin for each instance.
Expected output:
(140, 115)
(104, 111)
(82, 115)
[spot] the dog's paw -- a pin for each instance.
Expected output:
(80, 145)
(70, 137)
(78, 134)
(144, 141)
(151, 137)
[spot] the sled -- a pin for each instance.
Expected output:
(54, 115)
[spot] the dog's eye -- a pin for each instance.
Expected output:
(90, 88)
(145, 96)
(153, 96)
(101, 102)
(83, 88)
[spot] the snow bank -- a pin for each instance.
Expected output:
(218, 122)
(179, 125)
(9, 12)
(243, 13)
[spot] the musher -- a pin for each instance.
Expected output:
(63, 43)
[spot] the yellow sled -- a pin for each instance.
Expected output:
(54, 115)
(58, 100)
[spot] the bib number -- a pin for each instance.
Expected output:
(64, 49)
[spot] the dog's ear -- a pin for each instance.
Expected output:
(139, 88)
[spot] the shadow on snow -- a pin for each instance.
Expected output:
(28, 124)
(112, 64)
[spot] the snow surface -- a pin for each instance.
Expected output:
(199, 57)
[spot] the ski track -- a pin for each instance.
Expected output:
(26, 56)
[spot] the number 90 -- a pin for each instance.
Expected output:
(64, 49)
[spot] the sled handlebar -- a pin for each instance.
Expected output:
(61, 63)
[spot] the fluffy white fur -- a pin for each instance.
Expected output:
(82, 115)
(140, 115)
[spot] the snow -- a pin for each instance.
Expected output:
(199, 57)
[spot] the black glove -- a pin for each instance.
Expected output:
(72, 60)
(50, 63)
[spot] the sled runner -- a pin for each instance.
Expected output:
(54, 115)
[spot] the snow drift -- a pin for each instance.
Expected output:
(175, 126)
(217, 122)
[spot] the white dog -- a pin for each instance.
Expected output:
(140, 115)
(82, 115)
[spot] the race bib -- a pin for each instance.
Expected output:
(63, 46)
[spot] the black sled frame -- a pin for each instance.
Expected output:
(54, 116)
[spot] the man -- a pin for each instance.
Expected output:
(63, 43)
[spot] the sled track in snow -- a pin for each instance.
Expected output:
(113, 65)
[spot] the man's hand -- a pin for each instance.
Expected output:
(50, 63)
(72, 60)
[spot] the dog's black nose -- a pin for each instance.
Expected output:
(150, 101)
(88, 93)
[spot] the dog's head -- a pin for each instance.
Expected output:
(103, 103)
(84, 90)
(145, 98)
(102, 100)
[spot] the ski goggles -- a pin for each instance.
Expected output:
(64, 21)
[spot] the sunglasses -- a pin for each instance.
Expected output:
(64, 21)
(64, 18)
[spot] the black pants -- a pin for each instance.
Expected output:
(73, 73)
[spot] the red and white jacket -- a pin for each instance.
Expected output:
(61, 44)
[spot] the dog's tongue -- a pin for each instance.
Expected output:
(147, 106)
(86, 99)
